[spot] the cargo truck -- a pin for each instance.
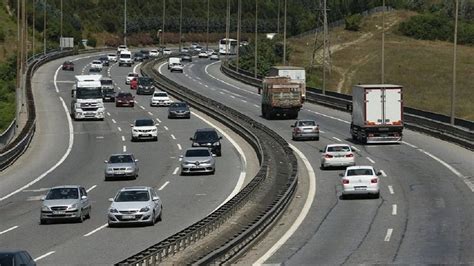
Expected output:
(281, 97)
(296, 74)
(377, 113)
(86, 98)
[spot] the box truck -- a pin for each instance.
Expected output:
(281, 97)
(296, 74)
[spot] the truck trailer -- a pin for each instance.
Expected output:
(86, 98)
(281, 97)
(296, 74)
(377, 113)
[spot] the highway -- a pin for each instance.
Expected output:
(424, 214)
(73, 152)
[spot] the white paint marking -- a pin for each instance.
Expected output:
(338, 139)
(370, 160)
(142, 107)
(179, 146)
(394, 209)
(55, 79)
(383, 173)
(97, 229)
(409, 144)
(172, 136)
(388, 235)
(119, 129)
(150, 113)
(157, 119)
(123, 138)
(390, 188)
(44, 256)
(166, 128)
(205, 85)
(221, 92)
(256, 105)
(232, 96)
(99, 137)
(124, 148)
(164, 185)
(113, 121)
(244, 101)
(301, 216)
(228, 84)
(354, 148)
(9, 229)
(108, 113)
(135, 68)
(175, 170)
(91, 188)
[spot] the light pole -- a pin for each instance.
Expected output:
(125, 23)
(227, 29)
(453, 90)
(162, 39)
(325, 43)
(180, 22)
(383, 43)
(61, 28)
(256, 41)
(284, 37)
(44, 27)
(278, 18)
(239, 12)
(33, 29)
(207, 34)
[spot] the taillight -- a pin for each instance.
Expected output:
(370, 135)
(298, 129)
(328, 156)
(316, 129)
(374, 180)
(350, 155)
(345, 181)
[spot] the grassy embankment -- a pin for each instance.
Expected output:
(424, 68)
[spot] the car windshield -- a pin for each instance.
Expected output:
(131, 75)
(144, 123)
(7, 259)
(352, 172)
(125, 55)
(160, 94)
(198, 153)
(181, 105)
(132, 195)
(124, 95)
(62, 193)
(121, 159)
(306, 123)
(206, 136)
(96, 62)
(145, 81)
(111, 55)
(338, 149)
(88, 93)
(106, 82)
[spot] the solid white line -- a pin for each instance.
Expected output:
(244, 101)
(443, 163)
(113, 121)
(166, 128)
(91, 188)
(394, 209)
(409, 144)
(179, 146)
(135, 68)
(157, 119)
(119, 129)
(108, 113)
(301, 216)
(390, 188)
(123, 138)
(172, 136)
(232, 96)
(55, 79)
(97, 229)
(228, 84)
(164, 185)
(176, 170)
(370, 160)
(44, 256)
(142, 107)
(338, 139)
(9, 229)
(383, 173)
(66, 154)
(150, 113)
(124, 148)
(388, 235)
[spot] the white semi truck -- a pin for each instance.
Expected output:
(86, 98)
(377, 113)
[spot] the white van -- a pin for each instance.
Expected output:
(173, 60)
(125, 58)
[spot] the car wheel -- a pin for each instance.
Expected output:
(153, 220)
(323, 167)
(43, 221)
(81, 217)
(317, 138)
(156, 139)
(110, 225)
(88, 215)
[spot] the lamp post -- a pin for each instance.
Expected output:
(162, 39)
(180, 22)
(44, 27)
(61, 28)
(227, 29)
(239, 12)
(382, 78)
(256, 40)
(207, 34)
(453, 89)
(284, 36)
(125, 22)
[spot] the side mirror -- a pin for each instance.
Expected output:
(43, 198)
(321, 151)
(136, 160)
(83, 197)
(341, 174)
(111, 199)
(379, 173)
(191, 139)
(292, 126)
(155, 198)
(106, 161)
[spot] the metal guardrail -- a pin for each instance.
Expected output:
(8, 134)
(275, 184)
(427, 122)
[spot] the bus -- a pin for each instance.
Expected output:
(227, 46)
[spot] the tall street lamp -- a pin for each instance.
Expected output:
(207, 34)
(44, 27)
(239, 12)
(256, 41)
(284, 36)
(453, 90)
(125, 23)
(162, 39)
(180, 22)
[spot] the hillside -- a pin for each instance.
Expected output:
(424, 68)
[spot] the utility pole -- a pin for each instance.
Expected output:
(383, 43)
(162, 39)
(33, 30)
(278, 18)
(227, 28)
(180, 22)
(125, 22)
(256, 40)
(44, 27)
(453, 89)
(61, 28)
(284, 37)
(325, 44)
(207, 35)
(18, 70)
(239, 13)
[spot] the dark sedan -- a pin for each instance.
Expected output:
(138, 57)
(104, 60)
(186, 57)
(68, 65)
(124, 99)
(179, 110)
(145, 86)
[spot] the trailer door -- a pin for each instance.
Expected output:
(393, 106)
(374, 106)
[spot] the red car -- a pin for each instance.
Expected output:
(68, 65)
(134, 84)
(124, 99)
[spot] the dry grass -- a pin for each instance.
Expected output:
(424, 68)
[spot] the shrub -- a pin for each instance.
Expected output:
(91, 41)
(353, 22)
(427, 27)
(2, 35)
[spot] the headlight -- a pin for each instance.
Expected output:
(205, 162)
(186, 162)
(109, 170)
(195, 144)
(112, 210)
(72, 207)
(45, 208)
(154, 130)
(135, 130)
(129, 169)
(146, 209)
(216, 144)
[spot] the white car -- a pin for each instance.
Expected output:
(184, 50)
(166, 51)
(337, 155)
(144, 129)
(178, 67)
(210, 52)
(214, 56)
(198, 48)
(130, 76)
(194, 45)
(160, 98)
(154, 53)
(358, 180)
(203, 54)
(96, 65)
(112, 57)
(121, 48)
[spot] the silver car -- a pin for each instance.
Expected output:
(337, 155)
(198, 160)
(122, 166)
(135, 205)
(65, 202)
(305, 129)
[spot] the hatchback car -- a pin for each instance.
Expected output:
(145, 86)
(335, 155)
(96, 66)
(138, 57)
(186, 57)
(305, 129)
(185, 50)
(154, 53)
(122, 166)
(214, 56)
(137, 204)
(198, 160)
(16, 258)
(108, 89)
(177, 67)
(130, 76)
(65, 202)
(124, 99)
(104, 60)
(179, 110)
(207, 137)
(160, 98)
(112, 57)
(144, 129)
(68, 65)
(358, 180)
(145, 53)
(166, 51)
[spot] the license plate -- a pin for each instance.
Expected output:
(145, 135)
(128, 217)
(360, 188)
(339, 156)
(120, 172)
(59, 212)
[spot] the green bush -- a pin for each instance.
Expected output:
(2, 35)
(91, 41)
(353, 22)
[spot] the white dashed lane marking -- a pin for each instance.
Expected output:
(9, 229)
(142, 107)
(394, 209)
(157, 119)
(390, 188)
(44, 256)
(338, 139)
(97, 229)
(175, 170)
(383, 173)
(123, 138)
(119, 129)
(179, 146)
(91, 188)
(370, 160)
(164, 185)
(388, 235)
(166, 128)
(172, 136)
(150, 113)
(113, 121)
(124, 148)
